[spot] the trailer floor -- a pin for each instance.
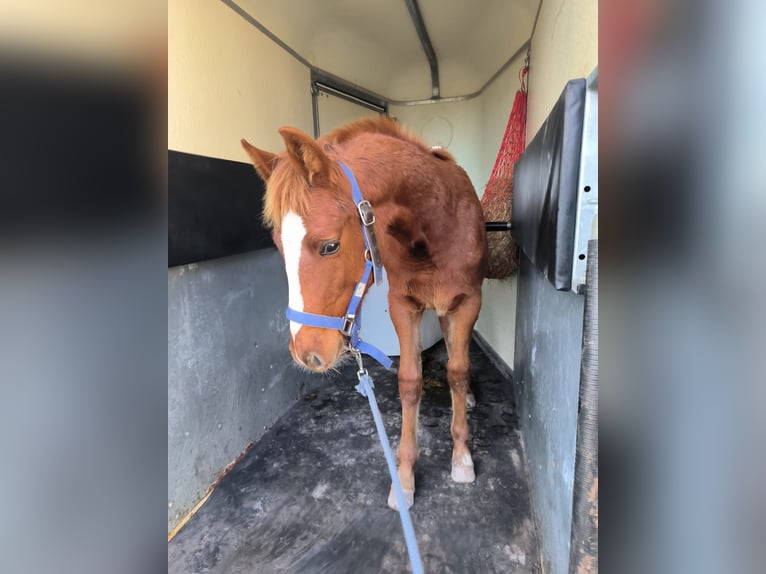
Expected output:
(311, 494)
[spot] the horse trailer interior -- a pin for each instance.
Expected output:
(272, 468)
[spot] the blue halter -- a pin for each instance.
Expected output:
(351, 323)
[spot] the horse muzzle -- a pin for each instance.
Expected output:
(317, 349)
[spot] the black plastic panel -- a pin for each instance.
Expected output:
(214, 208)
(545, 189)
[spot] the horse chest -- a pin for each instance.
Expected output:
(432, 290)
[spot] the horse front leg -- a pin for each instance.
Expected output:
(457, 327)
(406, 321)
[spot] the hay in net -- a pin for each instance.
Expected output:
(497, 199)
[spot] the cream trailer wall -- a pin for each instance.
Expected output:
(227, 81)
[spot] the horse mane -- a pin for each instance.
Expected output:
(288, 189)
(385, 126)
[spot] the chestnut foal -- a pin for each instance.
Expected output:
(430, 231)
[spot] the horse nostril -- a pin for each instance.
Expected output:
(313, 361)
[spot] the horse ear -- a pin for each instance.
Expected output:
(263, 161)
(306, 154)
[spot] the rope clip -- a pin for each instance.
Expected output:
(361, 374)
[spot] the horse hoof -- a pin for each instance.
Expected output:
(462, 471)
(470, 401)
(409, 498)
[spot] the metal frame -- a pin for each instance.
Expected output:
(587, 185)
(334, 86)
(437, 99)
(524, 47)
(425, 41)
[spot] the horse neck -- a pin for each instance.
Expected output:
(380, 182)
(387, 192)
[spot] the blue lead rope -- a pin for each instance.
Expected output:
(365, 388)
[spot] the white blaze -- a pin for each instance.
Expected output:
(293, 232)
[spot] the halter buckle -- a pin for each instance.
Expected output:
(348, 324)
(365, 212)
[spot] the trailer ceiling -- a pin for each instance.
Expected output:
(374, 43)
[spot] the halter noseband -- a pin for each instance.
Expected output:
(350, 324)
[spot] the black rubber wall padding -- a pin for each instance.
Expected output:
(583, 555)
(545, 188)
(214, 208)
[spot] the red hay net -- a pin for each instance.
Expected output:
(496, 201)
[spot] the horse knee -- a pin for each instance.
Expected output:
(410, 391)
(458, 377)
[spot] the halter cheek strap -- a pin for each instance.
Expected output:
(351, 323)
(368, 219)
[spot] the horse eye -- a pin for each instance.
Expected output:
(329, 247)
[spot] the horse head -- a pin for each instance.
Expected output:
(316, 228)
